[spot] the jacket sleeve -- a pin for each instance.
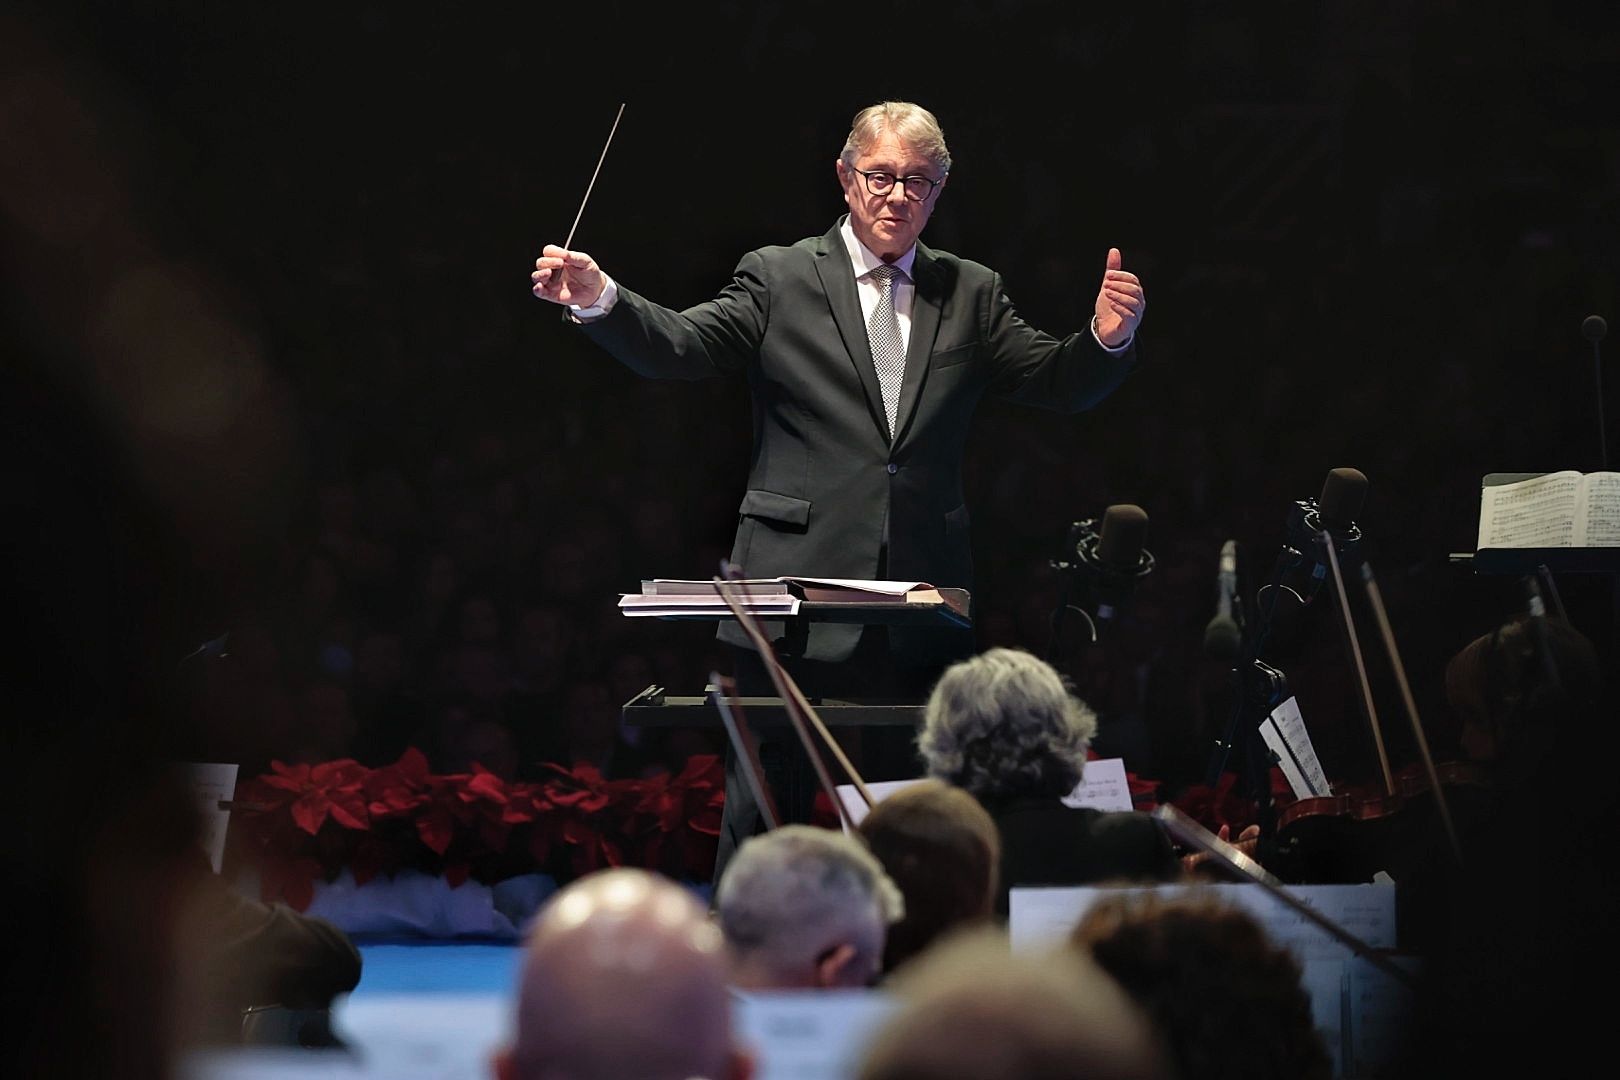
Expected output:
(269, 954)
(1035, 368)
(713, 338)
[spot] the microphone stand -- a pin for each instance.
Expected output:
(1258, 686)
(1106, 584)
(1068, 564)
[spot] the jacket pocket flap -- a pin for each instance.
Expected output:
(774, 507)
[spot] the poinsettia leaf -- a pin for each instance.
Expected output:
(309, 812)
(350, 812)
(486, 785)
(436, 831)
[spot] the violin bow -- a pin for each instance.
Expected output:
(1376, 599)
(744, 747)
(799, 711)
(1189, 832)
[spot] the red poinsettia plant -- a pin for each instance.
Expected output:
(304, 823)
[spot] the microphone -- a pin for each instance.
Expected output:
(1334, 512)
(1593, 328)
(1108, 561)
(1118, 559)
(1223, 637)
(1301, 565)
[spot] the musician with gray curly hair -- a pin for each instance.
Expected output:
(1004, 727)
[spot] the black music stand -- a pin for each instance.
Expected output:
(793, 781)
(1538, 565)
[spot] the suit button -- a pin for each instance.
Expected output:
(893, 468)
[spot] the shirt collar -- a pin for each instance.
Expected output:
(862, 259)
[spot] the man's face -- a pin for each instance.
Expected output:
(888, 224)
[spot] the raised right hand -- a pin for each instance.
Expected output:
(567, 277)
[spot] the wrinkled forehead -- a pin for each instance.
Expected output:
(890, 153)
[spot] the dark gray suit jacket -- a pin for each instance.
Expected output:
(826, 485)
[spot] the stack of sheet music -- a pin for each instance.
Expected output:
(770, 596)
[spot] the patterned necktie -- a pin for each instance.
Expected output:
(883, 334)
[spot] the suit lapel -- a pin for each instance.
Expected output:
(925, 307)
(838, 281)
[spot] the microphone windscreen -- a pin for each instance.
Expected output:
(1343, 492)
(1222, 638)
(1593, 328)
(1124, 530)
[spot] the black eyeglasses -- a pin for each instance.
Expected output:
(917, 188)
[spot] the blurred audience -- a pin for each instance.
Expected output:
(623, 976)
(1005, 728)
(941, 848)
(1228, 1003)
(973, 1010)
(804, 907)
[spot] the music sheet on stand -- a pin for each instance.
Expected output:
(1597, 518)
(1285, 724)
(1530, 513)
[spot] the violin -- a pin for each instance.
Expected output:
(1350, 835)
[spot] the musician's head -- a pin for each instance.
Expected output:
(1522, 679)
(1227, 1000)
(624, 975)
(941, 848)
(975, 1007)
(804, 907)
(892, 169)
(1003, 726)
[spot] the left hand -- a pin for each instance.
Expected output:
(1120, 303)
(1248, 842)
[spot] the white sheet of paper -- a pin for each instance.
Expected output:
(880, 789)
(887, 588)
(1301, 768)
(1102, 787)
(431, 1036)
(809, 1034)
(1327, 982)
(1043, 916)
(1538, 512)
(213, 783)
(1379, 1013)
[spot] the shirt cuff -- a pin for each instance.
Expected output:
(1114, 350)
(603, 304)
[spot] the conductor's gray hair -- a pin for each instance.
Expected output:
(1003, 725)
(914, 125)
(790, 894)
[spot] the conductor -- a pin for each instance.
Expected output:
(866, 354)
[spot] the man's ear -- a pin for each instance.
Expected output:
(501, 1065)
(844, 176)
(832, 968)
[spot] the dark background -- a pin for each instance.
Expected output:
(280, 373)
